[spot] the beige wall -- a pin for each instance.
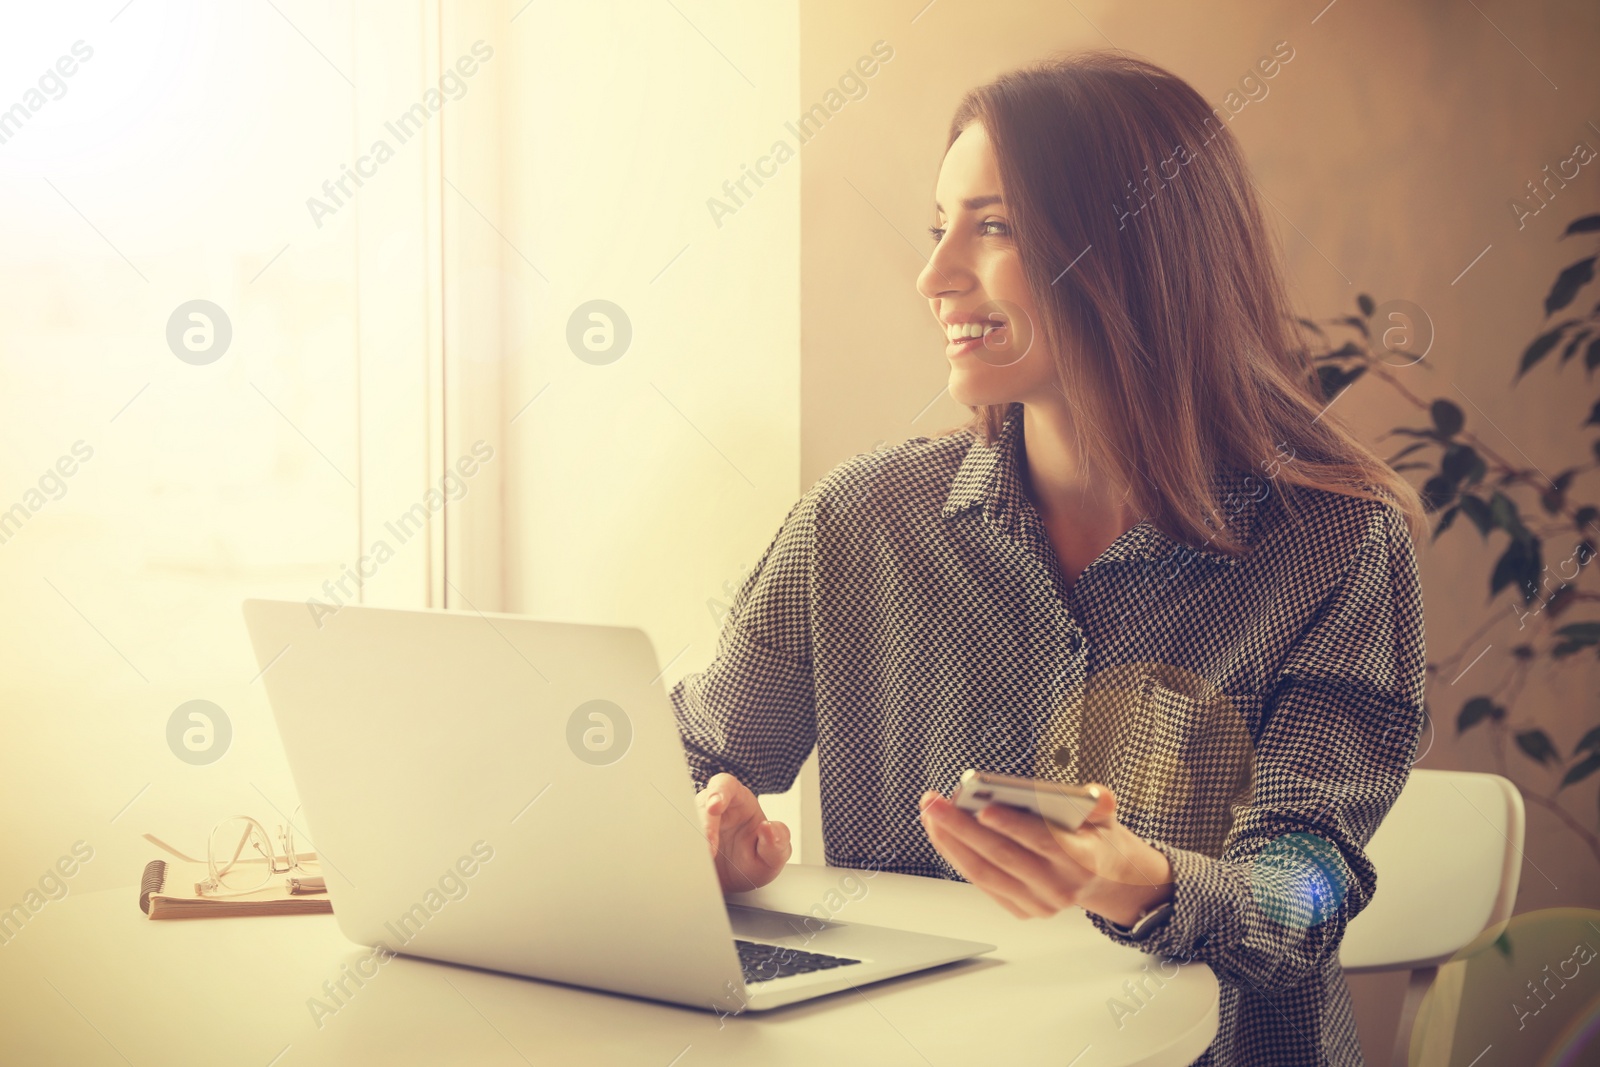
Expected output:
(1389, 146)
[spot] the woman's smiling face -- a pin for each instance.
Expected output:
(975, 285)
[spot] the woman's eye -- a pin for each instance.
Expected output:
(986, 228)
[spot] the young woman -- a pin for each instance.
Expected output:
(1155, 562)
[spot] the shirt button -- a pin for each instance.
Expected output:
(1074, 643)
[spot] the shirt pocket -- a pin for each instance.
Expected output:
(1179, 757)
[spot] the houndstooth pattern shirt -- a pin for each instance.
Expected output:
(1255, 716)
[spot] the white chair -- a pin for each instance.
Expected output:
(1448, 856)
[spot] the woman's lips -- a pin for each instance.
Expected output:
(968, 345)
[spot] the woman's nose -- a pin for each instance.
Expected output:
(942, 274)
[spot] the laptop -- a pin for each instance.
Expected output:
(512, 794)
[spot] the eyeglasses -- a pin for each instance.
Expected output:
(240, 857)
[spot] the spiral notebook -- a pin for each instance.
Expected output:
(167, 891)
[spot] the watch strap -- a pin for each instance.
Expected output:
(1147, 923)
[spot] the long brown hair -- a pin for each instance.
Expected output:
(1174, 340)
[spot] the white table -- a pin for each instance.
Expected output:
(89, 980)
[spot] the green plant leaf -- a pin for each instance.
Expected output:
(1581, 770)
(1503, 943)
(1364, 302)
(1444, 521)
(1583, 633)
(1594, 412)
(1313, 327)
(1334, 380)
(1532, 585)
(1589, 742)
(1572, 345)
(1554, 497)
(1504, 511)
(1519, 565)
(1587, 516)
(1475, 711)
(1575, 638)
(1436, 492)
(1358, 323)
(1476, 510)
(1460, 461)
(1591, 358)
(1587, 224)
(1447, 417)
(1567, 285)
(1541, 346)
(1536, 743)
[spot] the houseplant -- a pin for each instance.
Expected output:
(1538, 528)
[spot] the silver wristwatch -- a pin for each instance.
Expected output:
(1147, 923)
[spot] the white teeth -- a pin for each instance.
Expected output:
(963, 330)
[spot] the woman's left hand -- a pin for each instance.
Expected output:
(1036, 868)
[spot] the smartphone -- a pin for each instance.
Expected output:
(1065, 805)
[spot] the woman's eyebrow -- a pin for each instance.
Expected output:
(971, 203)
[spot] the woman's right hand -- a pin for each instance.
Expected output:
(750, 850)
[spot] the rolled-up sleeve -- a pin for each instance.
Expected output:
(752, 711)
(1340, 730)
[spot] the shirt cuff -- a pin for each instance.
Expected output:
(1198, 884)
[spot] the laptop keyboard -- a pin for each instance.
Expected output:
(763, 963)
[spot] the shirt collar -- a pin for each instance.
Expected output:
(989, 476)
